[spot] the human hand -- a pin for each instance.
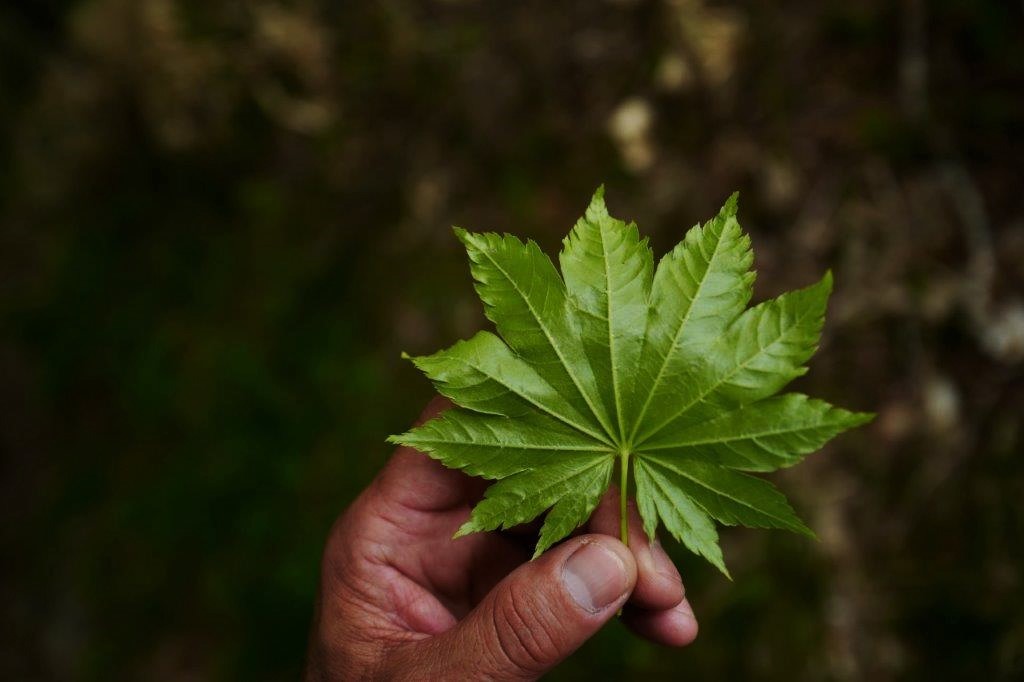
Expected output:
(399, 599)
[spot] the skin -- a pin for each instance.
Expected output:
(400, 600)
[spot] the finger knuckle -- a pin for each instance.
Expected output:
(526, 632)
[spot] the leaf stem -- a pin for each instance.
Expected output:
(624, 497)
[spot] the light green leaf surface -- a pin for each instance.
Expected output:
(608, 270)
(526, 300)
(701, 286)
(730, 497)
(658, 496)
(484, 375)
(572, 485)
(759, 353)
(763, 436)
(495, 447)
(660, 371)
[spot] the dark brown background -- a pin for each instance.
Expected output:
(220, 222)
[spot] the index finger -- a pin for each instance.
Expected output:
(658, 584)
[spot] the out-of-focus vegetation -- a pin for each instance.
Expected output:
(220, 222)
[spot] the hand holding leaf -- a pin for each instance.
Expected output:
(663, 371)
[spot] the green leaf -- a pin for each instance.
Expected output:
(483, 375)
(526, 300)
(701, 286)
(658, 495)
(572, 485)
(494, 446)
(763, 436)
(728, 496)
(608, 269)
(759, 353)
(661, 370)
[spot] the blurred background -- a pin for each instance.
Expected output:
(220, 223)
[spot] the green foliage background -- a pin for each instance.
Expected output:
(220, 222)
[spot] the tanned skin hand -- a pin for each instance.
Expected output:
(400, 600)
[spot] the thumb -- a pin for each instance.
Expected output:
(538, 615)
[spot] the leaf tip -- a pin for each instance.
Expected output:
(465, 529)
(731, 206)
(462, 234)
(862, 418)
(804, 530)
(597, 208)
(826, 281)
(715, 559)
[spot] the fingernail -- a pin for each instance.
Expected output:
(595, 577)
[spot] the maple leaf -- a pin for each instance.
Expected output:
(663, 371)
